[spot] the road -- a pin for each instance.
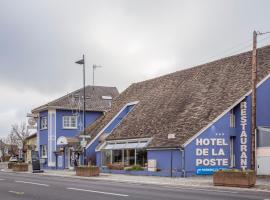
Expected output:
(15, 186)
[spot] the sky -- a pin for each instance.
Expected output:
(133, 40)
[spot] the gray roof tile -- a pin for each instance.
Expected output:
(94, 100)
(184, 102)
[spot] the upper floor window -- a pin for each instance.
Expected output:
(70, 122)
(43, 123)
(43, 151)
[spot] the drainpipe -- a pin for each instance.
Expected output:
(171, 163)
(183, 162)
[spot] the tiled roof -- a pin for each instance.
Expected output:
(184, 102)
(73, 100)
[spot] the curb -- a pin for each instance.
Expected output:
(174, 185)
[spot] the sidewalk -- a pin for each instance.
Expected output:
(263, 183)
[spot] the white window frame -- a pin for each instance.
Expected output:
(42, 147)
(68, 119)
(43, 125)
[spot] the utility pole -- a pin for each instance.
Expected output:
(253, 97)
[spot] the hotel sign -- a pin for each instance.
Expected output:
(211, 154)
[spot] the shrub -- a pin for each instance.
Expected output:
(134, 168)
(235, 170)
(115, 166)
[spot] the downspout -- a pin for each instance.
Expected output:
(182, 150)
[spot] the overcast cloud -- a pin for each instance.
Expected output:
(133, 40)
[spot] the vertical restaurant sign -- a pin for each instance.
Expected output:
(243, 136)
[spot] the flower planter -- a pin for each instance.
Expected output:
(10, 165)
(20, 167)
(87, 171)
(232, 178)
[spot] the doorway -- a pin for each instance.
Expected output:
(70, 158)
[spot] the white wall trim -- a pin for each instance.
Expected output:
(108, 124)
(225, 112)
(38, 136)
(123, 141)
(51, 137)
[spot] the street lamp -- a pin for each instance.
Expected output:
(82, 62)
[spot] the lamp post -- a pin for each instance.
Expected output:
(82, 62)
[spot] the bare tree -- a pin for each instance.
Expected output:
(16, 137)
(19, 132)
(2, 149)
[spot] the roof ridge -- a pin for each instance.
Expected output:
(70, 93)
(203, 64)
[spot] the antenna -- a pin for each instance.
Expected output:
(94, 68)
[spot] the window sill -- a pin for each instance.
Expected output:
(43, 129)
(64, 128)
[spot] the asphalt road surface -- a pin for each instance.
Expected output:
(15, 186)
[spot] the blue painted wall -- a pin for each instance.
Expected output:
(91, 152)
(98, 157)
(220, 130)
(60, 131)
(263, 104)
(163, 158)
(43, 134)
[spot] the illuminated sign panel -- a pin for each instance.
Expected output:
(243, 136)
(211, 154)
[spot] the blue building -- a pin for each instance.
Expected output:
(191, 122)
(59, 123)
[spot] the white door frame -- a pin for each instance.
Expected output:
(69, 157)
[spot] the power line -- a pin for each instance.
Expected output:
(240, 47)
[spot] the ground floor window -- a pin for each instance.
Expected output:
(129, 157)
(141, 157)
(117, 156)
(125, 157)
(106, 157)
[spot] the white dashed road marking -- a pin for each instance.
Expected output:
(18, 193)
(32, 183)
(99, 192)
